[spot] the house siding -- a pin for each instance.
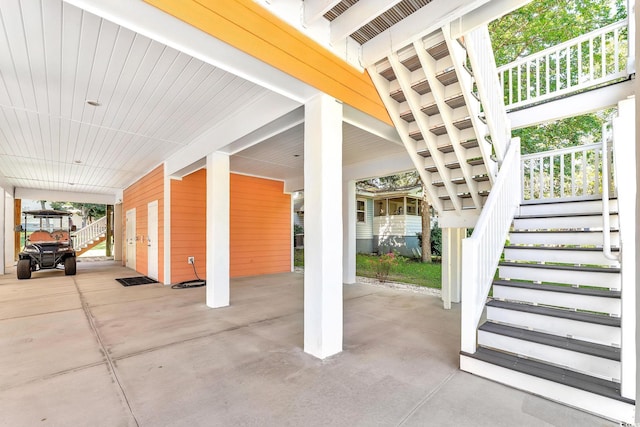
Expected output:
(189, 226)
(396, 233)
(260, 228)
(147, 189)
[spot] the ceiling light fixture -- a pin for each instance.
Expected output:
(77, 161)
(93, 102)
(296, 155)
(71, 183)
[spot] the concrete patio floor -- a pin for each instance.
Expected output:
(85, 351)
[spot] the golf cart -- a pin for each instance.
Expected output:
(48, 245)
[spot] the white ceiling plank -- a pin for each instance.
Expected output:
(415, 26)
(315, 9)
(70, 196)
(357, 16)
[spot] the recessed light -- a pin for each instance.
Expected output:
(77, 161)
(93, 102)
(296, 155)
(71, 183)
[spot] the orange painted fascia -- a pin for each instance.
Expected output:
(252, 29)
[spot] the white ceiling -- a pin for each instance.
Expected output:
(282, 156)
(155, 101)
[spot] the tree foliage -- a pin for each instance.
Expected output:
(545, 23)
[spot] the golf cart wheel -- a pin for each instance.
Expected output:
(70, 266)
(24, 269)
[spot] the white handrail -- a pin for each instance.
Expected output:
(544, 174)
(590, 60)
(483, 63)
(481, 252)
(89, 233)
(606, 227)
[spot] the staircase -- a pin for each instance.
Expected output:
(553, 324)
(433, 99)
(90, 236)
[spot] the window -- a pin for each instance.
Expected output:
(361, 211)
(380, 208)
(413, 206)
(396, 206)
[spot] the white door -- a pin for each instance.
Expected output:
(152, 239)
(131, 238)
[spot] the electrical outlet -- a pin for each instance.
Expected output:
(190, 260)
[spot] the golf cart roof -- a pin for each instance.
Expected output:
(48, 213)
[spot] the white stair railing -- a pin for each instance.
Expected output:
(90, 233)
(481, 252)
(590, 60)
(483, 63)
(567, 173)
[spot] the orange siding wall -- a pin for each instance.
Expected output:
(188, 226)
(147, 189)
(260, 229)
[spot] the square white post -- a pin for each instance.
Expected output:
(323, 227)
(452, 264)
(3, 230)
(349, 232)
(218, 191)
(9, 229)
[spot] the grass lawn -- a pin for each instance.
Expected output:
(409, 271)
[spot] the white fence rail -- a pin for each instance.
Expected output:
(91, 232)
(483, 63)
(481, 252)
(567, 173)
(590, 60)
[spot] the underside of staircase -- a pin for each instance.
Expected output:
(553, 324)
(429, 91)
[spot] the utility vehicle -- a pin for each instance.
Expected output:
(48, 243)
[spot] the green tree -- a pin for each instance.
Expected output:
(544, 23)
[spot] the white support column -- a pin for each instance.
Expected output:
(452, 264)
(349, 232)
(118, 230)
(3, 230)
(218, 196)
(9, 229)
(323, 227)
(167, 227)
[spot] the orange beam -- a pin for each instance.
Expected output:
(250, 28)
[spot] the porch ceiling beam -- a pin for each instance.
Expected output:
(415, 26)
(315, 9)
(483, 15)
(358, 15)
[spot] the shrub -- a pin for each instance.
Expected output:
(383, 265)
